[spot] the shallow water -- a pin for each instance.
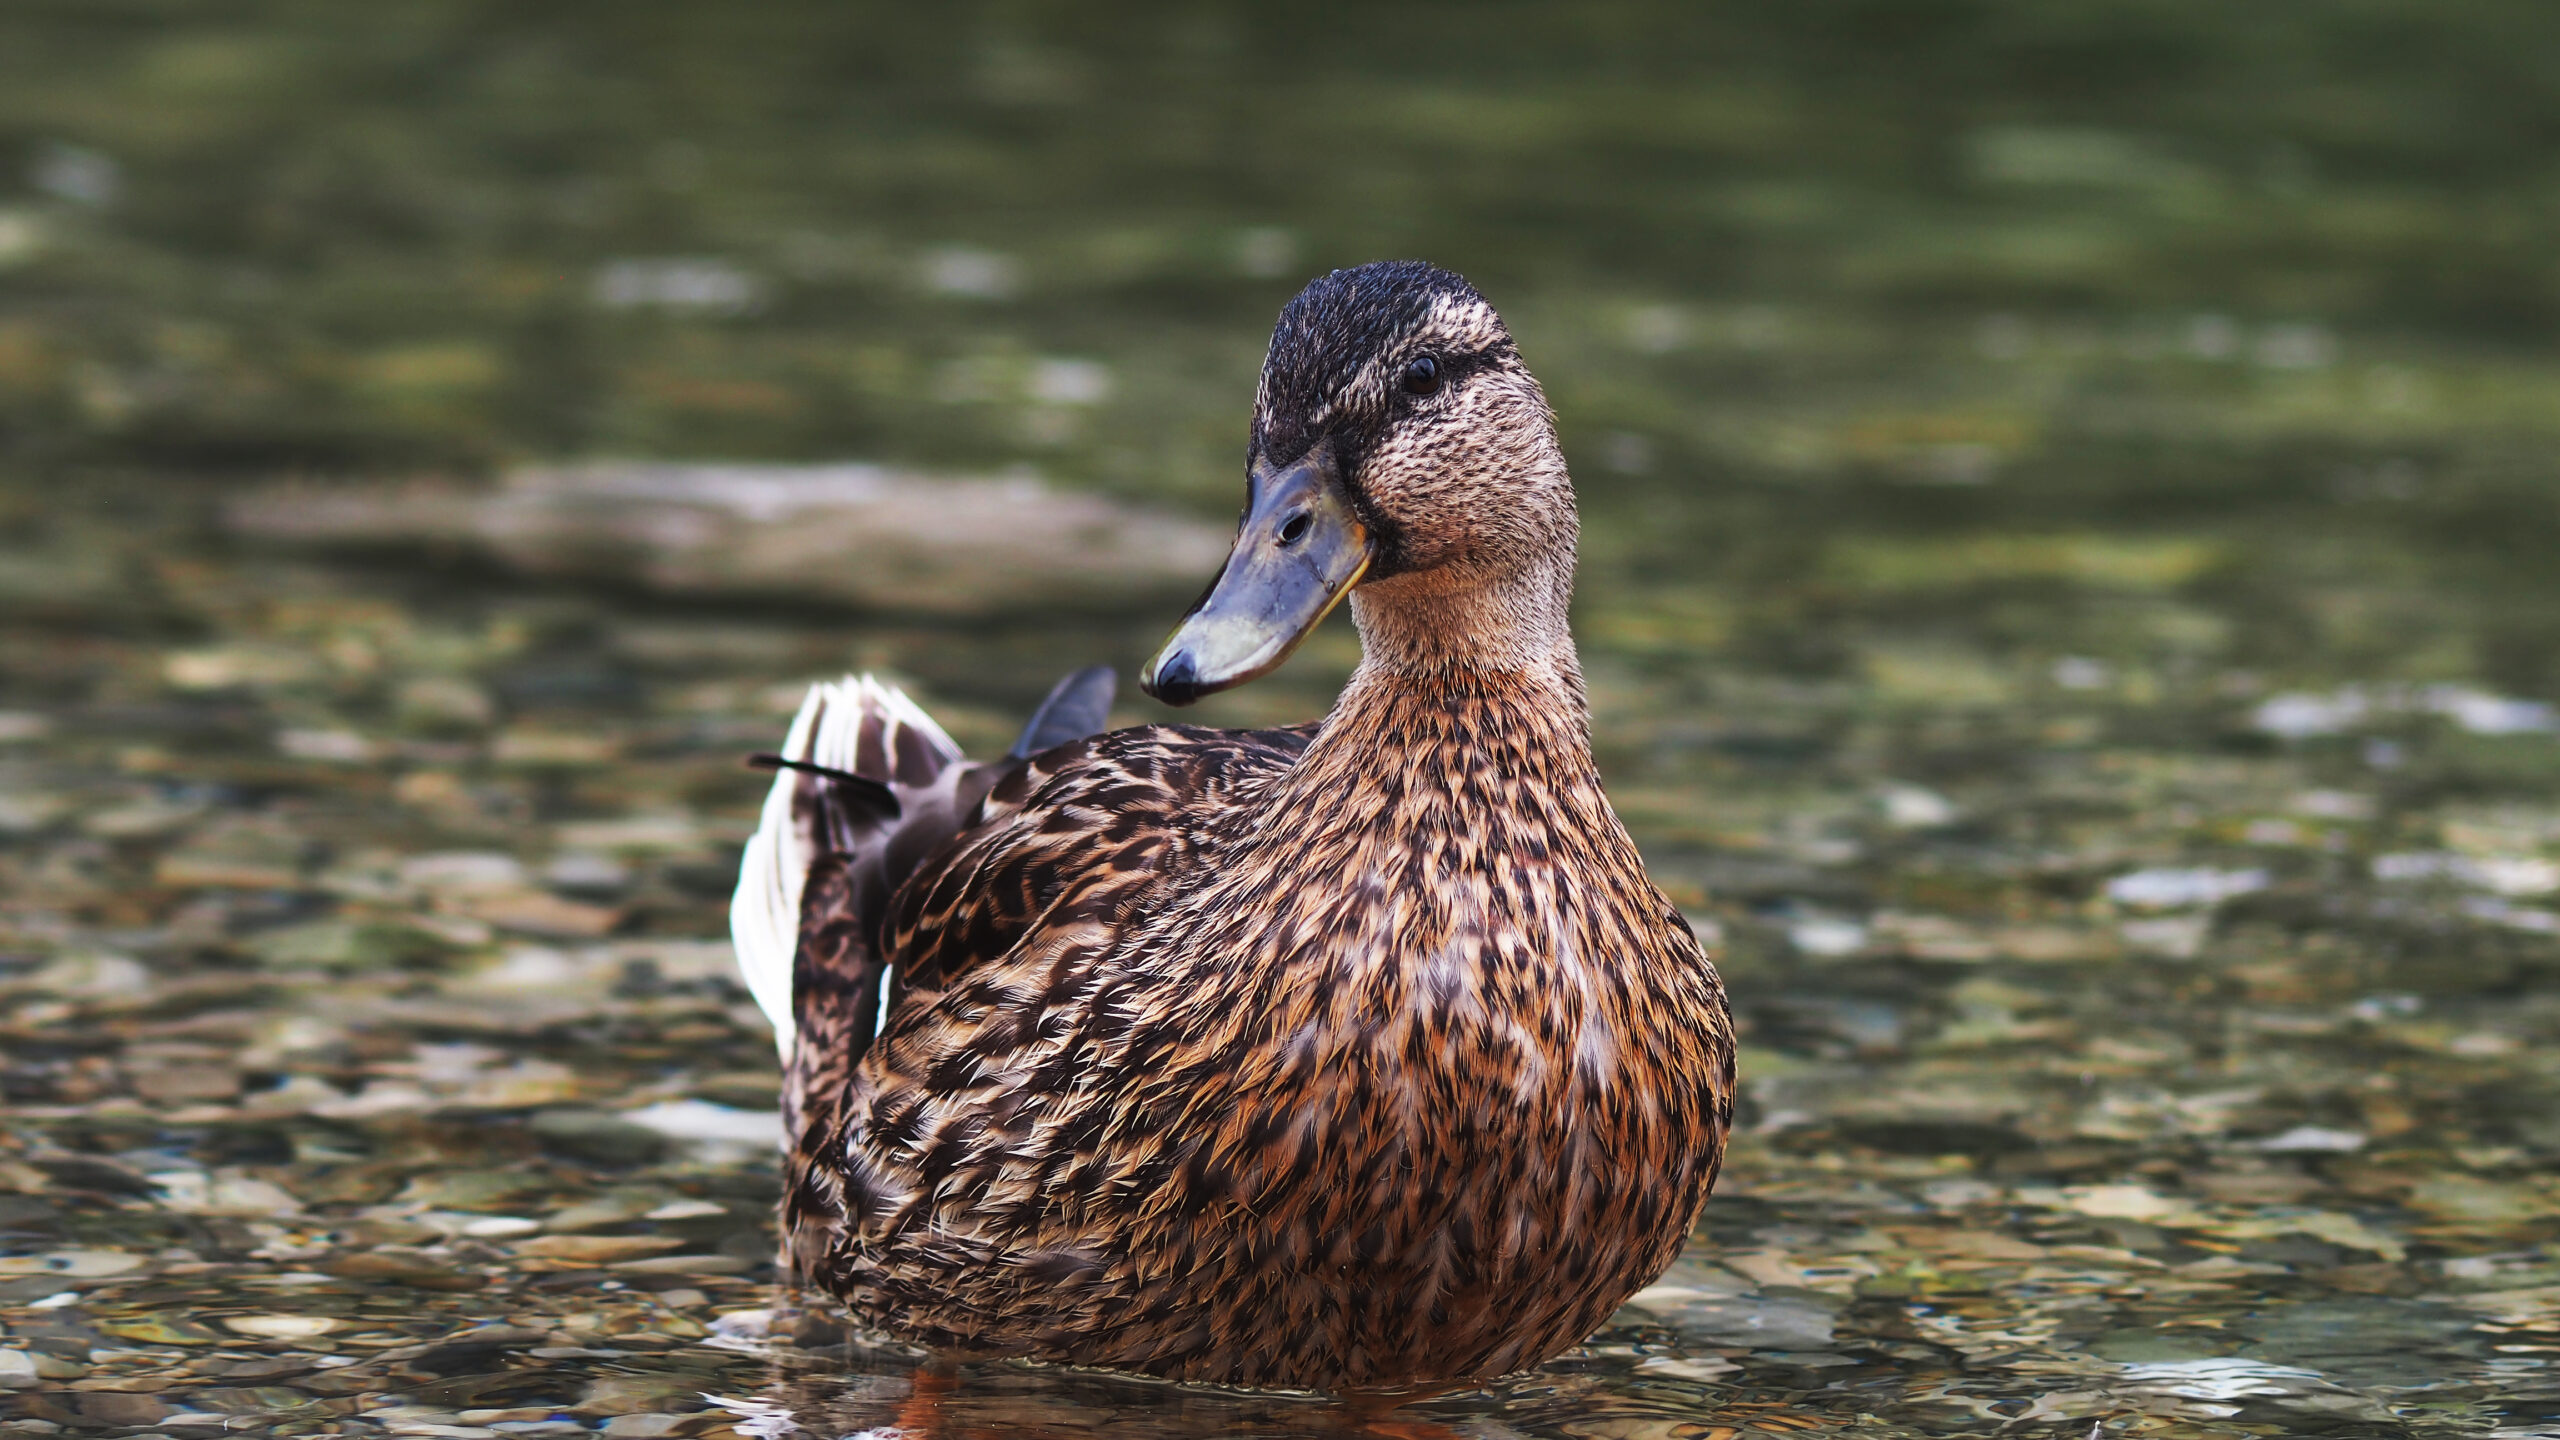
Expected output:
(2066, 590)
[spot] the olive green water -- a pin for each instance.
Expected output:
(2069, 592)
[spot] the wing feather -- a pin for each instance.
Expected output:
(1109, 818)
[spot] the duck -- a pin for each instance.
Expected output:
(1359, 1056)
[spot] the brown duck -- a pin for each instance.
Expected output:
(1359, 1055)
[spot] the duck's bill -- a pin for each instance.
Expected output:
(1300, 550)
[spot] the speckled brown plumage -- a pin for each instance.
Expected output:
(1356, 1055)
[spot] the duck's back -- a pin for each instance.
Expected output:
(1194, 1075)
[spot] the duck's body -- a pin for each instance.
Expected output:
(1359, 1055)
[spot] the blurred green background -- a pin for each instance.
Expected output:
(1898, 266)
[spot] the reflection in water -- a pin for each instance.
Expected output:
(2066, 597)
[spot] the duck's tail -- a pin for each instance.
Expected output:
(868, 785)
(859, 758)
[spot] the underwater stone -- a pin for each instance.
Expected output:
(849, 534)
(598, 1137)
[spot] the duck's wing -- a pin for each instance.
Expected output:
(1110, 818)
(870, 788)
(843, 909)
(1077, 706)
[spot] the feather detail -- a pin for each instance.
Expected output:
(764, 914)
(861, 727)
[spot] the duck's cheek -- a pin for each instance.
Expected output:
(1426, 517)
(1420, 553)
(1454, 523)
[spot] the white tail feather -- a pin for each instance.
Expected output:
(764, 916)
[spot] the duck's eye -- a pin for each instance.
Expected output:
(1421, 375)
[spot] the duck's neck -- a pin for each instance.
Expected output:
(1431, 648)
(1432, 628)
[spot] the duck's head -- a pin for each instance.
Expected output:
(1398, 445)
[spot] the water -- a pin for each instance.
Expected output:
(2066, 589)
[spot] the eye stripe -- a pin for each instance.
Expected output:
(1455, 366)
